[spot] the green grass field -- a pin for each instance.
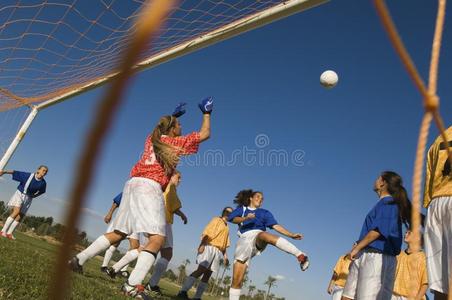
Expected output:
(26, 266)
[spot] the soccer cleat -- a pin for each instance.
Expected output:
(111, 272)
(304, 262)
(10, 237)
(154, 289)
(75, 266)
(103, 269)
(135, 291)
(3, 234)
(183, 295)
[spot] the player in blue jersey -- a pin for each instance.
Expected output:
(133, 239)
(374, 263)
(253, 222)
(31, 185)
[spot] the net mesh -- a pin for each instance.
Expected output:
(48, 48)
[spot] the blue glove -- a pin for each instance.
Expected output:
(206, 105)
(179, 110)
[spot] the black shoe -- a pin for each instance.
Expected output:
(103, 269)
(75, 266)
(183, 295)
(111, 272)
(154, 289)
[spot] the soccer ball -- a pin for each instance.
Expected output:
(329, 79)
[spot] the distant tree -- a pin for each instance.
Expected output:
(42, 229)
(251, 289)
(3, 208)
(270, 282)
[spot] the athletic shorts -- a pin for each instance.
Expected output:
(371, 277)
(337, 292)
(143, 238)
(438, 243)
(130, 236)
(246, 246)
(21, 200)
(142, 208)
(210, 258)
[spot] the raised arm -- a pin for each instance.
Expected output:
(204, 132)
(280, 229)
(206, 107)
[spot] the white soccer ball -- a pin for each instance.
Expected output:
(329, 79)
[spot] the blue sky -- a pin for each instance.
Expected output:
(266, 84)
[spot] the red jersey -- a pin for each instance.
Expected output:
(149, 167)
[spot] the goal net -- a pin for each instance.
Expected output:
(52, 50)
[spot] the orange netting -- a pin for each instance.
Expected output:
(430, 101)
(48, 48)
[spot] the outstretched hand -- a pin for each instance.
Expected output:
(179, 110)
(206, 105)
(297, 236)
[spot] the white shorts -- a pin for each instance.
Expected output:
(371, 277)
(142, 208)
(246, 246)
(21, 200)
(130, 236)
(337, 292)
(210, 258)
(438, 243)
(143, 238)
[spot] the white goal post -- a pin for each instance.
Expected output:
(282, 10)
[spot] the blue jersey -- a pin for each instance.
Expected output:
(117, 199)
(263, 219)
(384, 218)
(29, 185)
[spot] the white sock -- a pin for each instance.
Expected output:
(108, 255)
(99, 245)
(12, 227)
(234, 294)
(288, 247)
(8, 222)
(125, 267)
(144, 264)
(188, 283)
(129, 257)
(159, 269)
(200, 290)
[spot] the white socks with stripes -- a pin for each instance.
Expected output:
(99, 245)
(129, 257)
(108, 255)
(288, 247)
(145, 261)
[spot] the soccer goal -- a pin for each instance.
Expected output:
(54, 50)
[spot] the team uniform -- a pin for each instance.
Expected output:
(438, 227)
(143, 209)
(217, 233)
(29, 188)
(371, 276)
(246, 247)
(411, 273)
(341, 270)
